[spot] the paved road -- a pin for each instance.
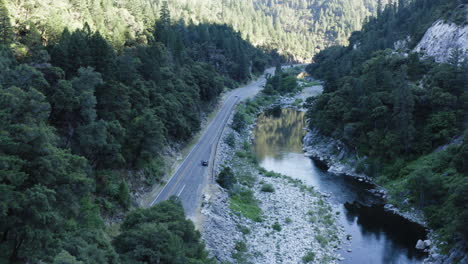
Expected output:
(191, 177)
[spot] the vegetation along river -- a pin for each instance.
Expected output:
(377, 236)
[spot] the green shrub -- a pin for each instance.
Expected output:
(298, 102)
(240, 246)
(327, 219)
(246, 178)
(271, 174)
(245, 203)
(288, 220)
(244, 230)
(124, 195)
(308, 257)
(241, 154)
(321, 240)
(239, 121)
(226, 178)
(274, 111)
(153, 170)
(230, 140)
(268, 188)
(276, 226)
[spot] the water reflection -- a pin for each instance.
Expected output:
(274, 135)
(377, 236)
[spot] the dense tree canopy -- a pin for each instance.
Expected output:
(395, 108)
(296, 28)
(84, 122)
(281, 83)
(160, 235)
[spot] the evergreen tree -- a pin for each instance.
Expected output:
(6, 31)
(396, 110)
(165, 15)
(379, 8)
(403, 111)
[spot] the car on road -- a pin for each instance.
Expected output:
(204, 163)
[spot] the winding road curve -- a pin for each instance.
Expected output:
(191, 177)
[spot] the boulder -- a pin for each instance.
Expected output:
(420, 244)
(427, 243)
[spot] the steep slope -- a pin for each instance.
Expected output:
(442, 39)
(83, 126)
(296, 28)
(394, 108)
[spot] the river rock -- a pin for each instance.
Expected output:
(290, 205)
(427, 243)
(420, 244)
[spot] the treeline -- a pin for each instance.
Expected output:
(281, 83)
(83, 123)
(396, 108)
(296, 28)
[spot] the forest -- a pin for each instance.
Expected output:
(94, 92)
(84, 123)
(296, 28)
(404, 113)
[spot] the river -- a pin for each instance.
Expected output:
(377, 236)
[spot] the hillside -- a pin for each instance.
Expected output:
(296, 28)
(84, 124)
(396, 108)
(97, 95)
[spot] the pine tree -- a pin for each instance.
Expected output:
(163, 26)
(455, 57)
(403, 111)
(165, 15)
(6, 30)
(379, 8)
(401, 4)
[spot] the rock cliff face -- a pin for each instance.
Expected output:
(441, 39)
(333, 154)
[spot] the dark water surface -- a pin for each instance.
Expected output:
(378, 237)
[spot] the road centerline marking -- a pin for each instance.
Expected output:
(219, 118)
(181, 190)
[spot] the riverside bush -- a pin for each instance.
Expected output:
(321, 240)
(276, 226)
(308, 257)
(267, 188)
(240, 246)
(230, 140)
(245, 203)
(226, 178)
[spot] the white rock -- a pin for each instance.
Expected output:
(441, 38)
(420, 244)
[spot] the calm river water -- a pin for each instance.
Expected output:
(377, 236)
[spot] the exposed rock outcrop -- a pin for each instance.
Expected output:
(332, 153)
(442, 38)
(456, 255)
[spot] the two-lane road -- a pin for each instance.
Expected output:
(191, 177)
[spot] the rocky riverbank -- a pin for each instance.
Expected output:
(334, 155)
(295, 224)
(339, 159)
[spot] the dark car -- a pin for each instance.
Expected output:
(204, 163)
